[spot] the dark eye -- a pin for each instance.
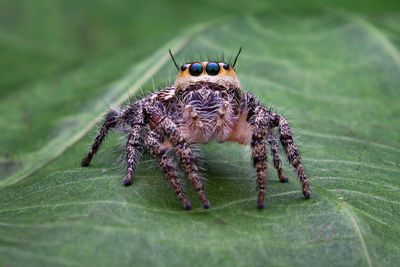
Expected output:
(196, 69)
(212, 68)
(225, 66)
(183, 67)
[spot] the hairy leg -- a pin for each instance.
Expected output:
(291, 150)
(154, 144)
(259, 150)
(275, 155)
(109, 122)
(132, 145)
(185, 154)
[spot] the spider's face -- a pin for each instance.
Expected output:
(218, 74)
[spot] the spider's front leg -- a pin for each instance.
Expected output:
(154, 144)
(185, 154)
(259, 150)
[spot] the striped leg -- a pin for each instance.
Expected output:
(259, 151)
(291, 150)
(275, 155)
(186, 156)
(132, 145)
(110, 122)
(154, 144)
(260, 163)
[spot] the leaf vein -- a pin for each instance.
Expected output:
(359, 233)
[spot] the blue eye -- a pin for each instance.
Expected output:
(212, 68)
(196, 69)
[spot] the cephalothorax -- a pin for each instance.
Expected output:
(205, 102)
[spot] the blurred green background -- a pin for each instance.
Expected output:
(332, 67)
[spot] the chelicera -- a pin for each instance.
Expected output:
(206, 102)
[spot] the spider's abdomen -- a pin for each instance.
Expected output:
(206, 113)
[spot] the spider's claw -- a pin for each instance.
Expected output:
(261, 205)
(284, 179)
(187, 205)
(128, 180)
(206, 204)
(307, 194)
(85, 163)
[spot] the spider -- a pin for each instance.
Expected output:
(206, 102)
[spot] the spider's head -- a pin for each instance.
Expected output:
(208, 72)
(216, 75)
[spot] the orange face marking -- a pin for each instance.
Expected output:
(226, 76)
(229, 72)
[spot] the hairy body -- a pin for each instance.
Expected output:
(205, 103)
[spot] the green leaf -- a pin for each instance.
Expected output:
(335, 76)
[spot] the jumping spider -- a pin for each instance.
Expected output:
(205, 102)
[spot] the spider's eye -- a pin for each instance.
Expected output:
(226, 66)
(212, 68)
(183, 67)
(196, 69)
